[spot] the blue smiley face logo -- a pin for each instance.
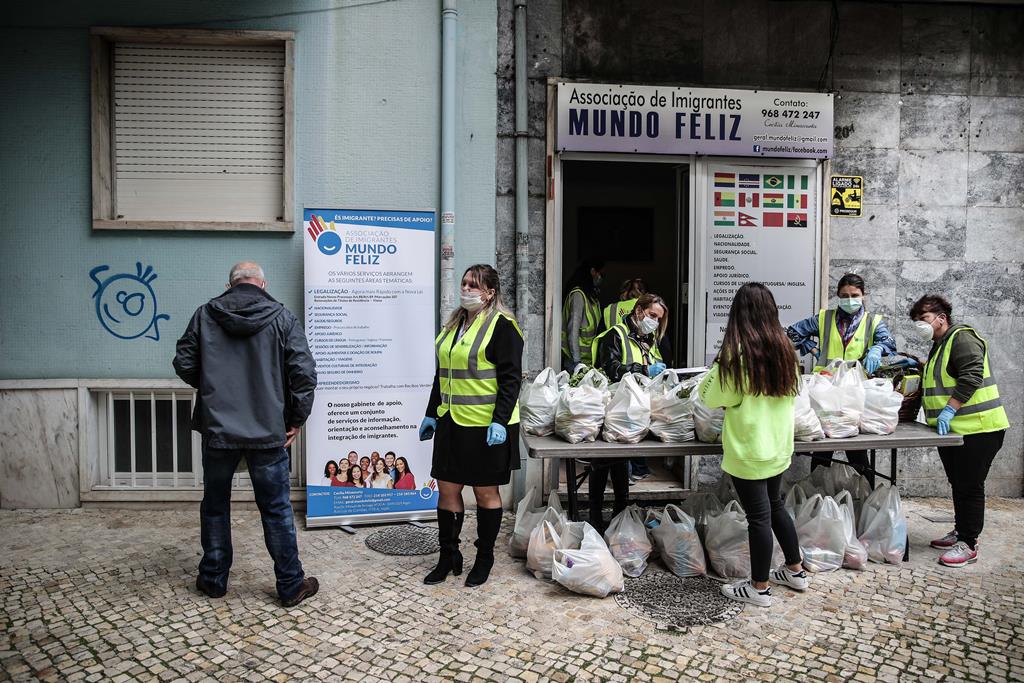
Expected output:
(126, 303)
(329, 243)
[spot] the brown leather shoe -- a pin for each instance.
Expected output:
(308, 589)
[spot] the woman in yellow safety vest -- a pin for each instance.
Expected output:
(630, 346)
(629, 292)
(847, 332)
(581, 314)
(473, 418)
(960, 396)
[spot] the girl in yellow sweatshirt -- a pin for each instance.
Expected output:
(757, 389)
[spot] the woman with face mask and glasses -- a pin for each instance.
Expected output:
(960, 396)
(847, 332)
(629, 346)
(473, 418)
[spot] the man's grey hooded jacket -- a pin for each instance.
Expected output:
(247, 356)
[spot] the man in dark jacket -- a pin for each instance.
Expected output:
(248, 359)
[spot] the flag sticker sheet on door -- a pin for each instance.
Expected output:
(762, 228)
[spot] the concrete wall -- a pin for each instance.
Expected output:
(929, 108)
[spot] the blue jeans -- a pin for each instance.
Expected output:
(269, 471)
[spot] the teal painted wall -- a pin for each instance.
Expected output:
(367, 122)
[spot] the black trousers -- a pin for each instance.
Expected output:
(599, 470)
(762, 501)
(857, 459)
(967, 468)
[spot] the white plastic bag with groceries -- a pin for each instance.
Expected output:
(677, 541)
(856, 555)
(819, 527)
(671, 409)
(881, 407)
(882, 527)
(529, 516)
(628, 416)
(580, 411)
(806, 425)
(726, 543)
(707, 423)
(837, 396)
(538, 401)
(590, 570)
(627, 540)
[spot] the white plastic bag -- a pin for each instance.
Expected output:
(671, 410)
(806, 425)
(701, 507)
(819, 527)
(726, 543)
(837, 396)
(677, 541)
(707, 423)
(881, 407)
(537, 403)
(856, 555)
(795, 497)
(628, 542)
(528, 517)
(590, 570)
(627, 419)
(544, 541)
(882, 527)
(580, 411)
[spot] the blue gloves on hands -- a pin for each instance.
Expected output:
(873, 360)
(496, 434)
(427, 428)
(655, 369)
(945, 417)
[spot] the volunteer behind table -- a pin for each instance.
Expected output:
(581, 314)
(960, 396)
(629, 292)
(473, 417)
(848, 332)
(758, 391)
(630, 346)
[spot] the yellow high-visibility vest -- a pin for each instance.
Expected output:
(612, 313)
(830, 342)
(591, 320)
(632, 352)
(984, 411)
(469, 382)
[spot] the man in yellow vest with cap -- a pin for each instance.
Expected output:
(960, 396)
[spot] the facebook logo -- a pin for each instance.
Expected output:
(757, 148)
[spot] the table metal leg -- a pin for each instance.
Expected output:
(871, 466)
(892, 479)
(572, 485)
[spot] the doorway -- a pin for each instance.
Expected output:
(634, 217)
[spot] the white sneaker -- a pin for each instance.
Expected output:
(744, 591)
(784, 577)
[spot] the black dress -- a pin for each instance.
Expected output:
(461, 454)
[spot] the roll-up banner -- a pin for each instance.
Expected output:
(369, 311)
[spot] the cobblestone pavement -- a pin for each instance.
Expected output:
(108, 595)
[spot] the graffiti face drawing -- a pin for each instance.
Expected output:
(126, 303)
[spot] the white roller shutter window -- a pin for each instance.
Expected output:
(198, 132)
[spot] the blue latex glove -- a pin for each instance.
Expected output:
(427, 428)
(496, 434)
(873, 360)
(945, 417)
(655, 369)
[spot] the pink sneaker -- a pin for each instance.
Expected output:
(959, 555)
(947, 541)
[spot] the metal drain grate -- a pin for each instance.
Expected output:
(404, 540)
(676, 603)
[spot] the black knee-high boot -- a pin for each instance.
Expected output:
(449, 526)
(488, 522)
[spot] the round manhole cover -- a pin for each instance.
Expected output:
(404, 540)
(672, 602)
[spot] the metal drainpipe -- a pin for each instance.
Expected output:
(522, 181)
(449, 26)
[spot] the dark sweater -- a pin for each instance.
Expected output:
(966, 361)
(505, 350)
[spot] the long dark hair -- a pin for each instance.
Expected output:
(582, 278)
(768, 365)
(404, 462)
(327, 469)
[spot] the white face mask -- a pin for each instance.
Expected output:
(648, 325)
(471, 302)
(924, 329)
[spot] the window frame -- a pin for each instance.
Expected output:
(102, 41)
